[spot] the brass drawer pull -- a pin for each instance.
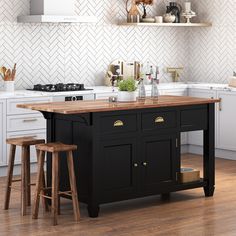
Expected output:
(30, 120)
(159, 119)
(118, 123)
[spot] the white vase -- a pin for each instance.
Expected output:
(127, 96)
(9, 86)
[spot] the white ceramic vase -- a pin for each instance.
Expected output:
(9, 86)
(124, 96)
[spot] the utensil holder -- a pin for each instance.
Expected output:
(9, 86)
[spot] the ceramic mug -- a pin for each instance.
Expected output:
(159, 19)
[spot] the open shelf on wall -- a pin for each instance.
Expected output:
(205, 24)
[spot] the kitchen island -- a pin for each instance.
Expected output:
(129, 150)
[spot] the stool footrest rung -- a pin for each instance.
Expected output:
(16, 180)
(45, 196)
(66, 193)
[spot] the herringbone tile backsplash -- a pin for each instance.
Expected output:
(212, 52)
(51, 53)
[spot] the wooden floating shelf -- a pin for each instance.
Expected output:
(168, 24)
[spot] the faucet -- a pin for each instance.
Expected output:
(175, 71)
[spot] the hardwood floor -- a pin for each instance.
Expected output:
(186, 213)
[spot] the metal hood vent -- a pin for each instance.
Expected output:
(54, 11)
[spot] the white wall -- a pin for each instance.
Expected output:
(51, 53)
(212, 51)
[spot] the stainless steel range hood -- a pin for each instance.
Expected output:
(54, 11)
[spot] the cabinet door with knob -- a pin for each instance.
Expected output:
(160, 162)
(120, 166)
(226, 122)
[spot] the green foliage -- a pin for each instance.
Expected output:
(127, 85)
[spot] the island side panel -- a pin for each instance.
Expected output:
(72, 129)
(209, 152)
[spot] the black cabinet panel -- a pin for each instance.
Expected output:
(118, 160)
(194, 119)
(159, 120)
(159, 161)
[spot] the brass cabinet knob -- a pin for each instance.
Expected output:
(135, 165)
(144, 163)
(159, 119)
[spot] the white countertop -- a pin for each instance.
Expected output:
(105, 89)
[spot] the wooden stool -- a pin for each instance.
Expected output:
(24, 143)
(55, 149)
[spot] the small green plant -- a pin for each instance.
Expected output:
(128, 85)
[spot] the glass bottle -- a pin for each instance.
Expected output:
(155, 91)
(142, 91)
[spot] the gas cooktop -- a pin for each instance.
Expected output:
(59, 87)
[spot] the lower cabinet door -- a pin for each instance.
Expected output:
(119, 169)
(160, 163)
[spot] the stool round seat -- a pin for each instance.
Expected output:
(56, 147)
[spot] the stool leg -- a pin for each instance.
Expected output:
(9, 176)
(38, 189)
(55, 184)
(70, 163)
(43, 184)
(23, 180)
(28, 176)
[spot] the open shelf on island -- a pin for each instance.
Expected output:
(191, 185)
(206, 24)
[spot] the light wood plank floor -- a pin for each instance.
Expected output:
(187, 213)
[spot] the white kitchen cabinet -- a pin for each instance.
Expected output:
(26, 122)
(12, 108)
(105, 95)
(2, 132)
(196, 137)
(175, 92)
(226, 121)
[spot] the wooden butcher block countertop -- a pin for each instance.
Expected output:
(79, 107)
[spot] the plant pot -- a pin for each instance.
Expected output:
(9, 86)
(127, 96)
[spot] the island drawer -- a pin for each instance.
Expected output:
(118, 123)
(159, 120)
(194, 119)
(25, 122)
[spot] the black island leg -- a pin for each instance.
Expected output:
(93, 210)
(209, 153)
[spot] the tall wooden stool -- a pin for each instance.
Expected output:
(55, 149)
(24, 143)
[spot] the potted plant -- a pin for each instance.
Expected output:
(127, 90)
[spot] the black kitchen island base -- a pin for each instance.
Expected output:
(130, 154)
